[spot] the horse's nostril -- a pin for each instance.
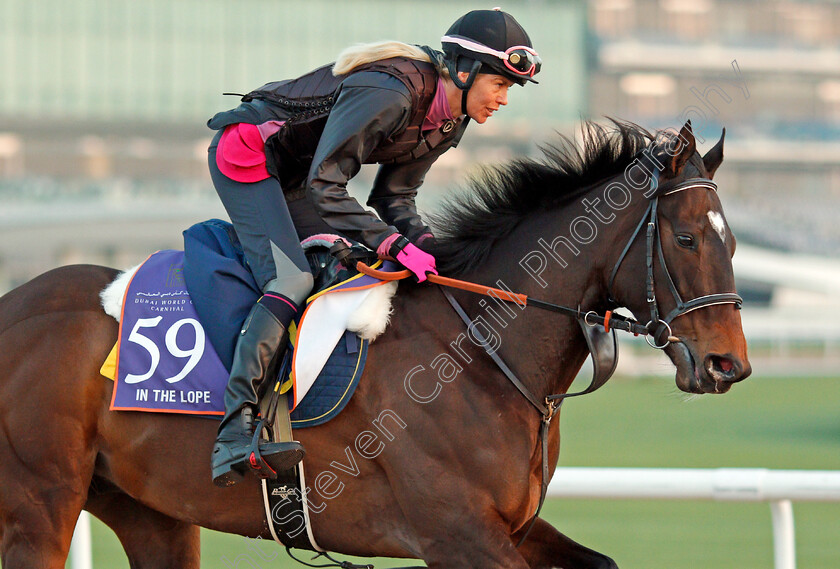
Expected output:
(721, 366)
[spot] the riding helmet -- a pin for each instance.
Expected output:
(489, 41)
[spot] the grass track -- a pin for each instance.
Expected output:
(782, 423)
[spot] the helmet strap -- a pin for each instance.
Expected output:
(452, 65)
(464, 86)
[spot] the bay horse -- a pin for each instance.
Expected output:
(437, 456)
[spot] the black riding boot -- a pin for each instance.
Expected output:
(262, 339)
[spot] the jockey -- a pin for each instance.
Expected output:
(281, 162)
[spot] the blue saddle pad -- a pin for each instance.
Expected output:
(221, 291)
(335, 384)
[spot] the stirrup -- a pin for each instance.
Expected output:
(260, 466)
(255, 461)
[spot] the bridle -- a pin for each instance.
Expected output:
(658, 325)
(550, 405)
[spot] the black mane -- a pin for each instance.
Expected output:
(499, 197)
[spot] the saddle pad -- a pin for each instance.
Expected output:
(165, 362)
(335, 384)
(328, 314)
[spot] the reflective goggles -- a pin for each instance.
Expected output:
(519, 59)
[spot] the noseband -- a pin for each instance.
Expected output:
(658, 325)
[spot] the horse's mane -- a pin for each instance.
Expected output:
(499, 197)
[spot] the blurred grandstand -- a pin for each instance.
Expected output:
(103, 105)
(768, 72)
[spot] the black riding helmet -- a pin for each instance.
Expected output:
(489, 41)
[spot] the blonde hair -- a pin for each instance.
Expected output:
(359, 54)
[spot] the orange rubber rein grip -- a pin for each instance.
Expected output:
(518, 298)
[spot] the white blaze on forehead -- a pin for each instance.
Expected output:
(718, 224)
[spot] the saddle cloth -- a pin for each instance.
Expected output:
(165, 361)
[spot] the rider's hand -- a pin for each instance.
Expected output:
(412, 258)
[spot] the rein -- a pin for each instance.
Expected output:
(609, 320)
(655, 326)
(550, 405)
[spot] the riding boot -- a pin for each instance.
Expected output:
(263, 340)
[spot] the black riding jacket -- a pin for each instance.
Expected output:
(334, 125)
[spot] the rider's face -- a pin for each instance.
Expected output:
(487, 94)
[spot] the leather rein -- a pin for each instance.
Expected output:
(603, 351)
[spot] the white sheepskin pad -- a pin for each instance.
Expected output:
(112, 295)
(374, 314)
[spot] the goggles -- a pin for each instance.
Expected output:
(519, 59)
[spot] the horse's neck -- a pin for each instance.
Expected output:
(544, 259)
(545, 349)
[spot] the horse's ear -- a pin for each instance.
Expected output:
(678, 150)
(714, 157)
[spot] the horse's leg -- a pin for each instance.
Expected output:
(51, 394)
(38, 537)
(457, 540)
(151, 540)
(39, 505)
(545, 547)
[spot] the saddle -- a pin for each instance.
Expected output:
(180, 314)
(195, 301)
(286, 507)
(221, 285)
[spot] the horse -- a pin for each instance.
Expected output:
(437, 456)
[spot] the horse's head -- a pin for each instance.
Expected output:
(684, 249)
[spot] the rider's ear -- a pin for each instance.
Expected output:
(714, 157)
(678, 149)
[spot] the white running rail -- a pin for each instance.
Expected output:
(778, 487)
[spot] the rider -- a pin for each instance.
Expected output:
(281, 162)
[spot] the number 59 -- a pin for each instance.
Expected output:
(194, 354)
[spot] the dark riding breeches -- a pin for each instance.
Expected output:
(265, 228)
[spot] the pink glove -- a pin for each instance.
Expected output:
(415, 260)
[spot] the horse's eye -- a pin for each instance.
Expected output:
(684, 240)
